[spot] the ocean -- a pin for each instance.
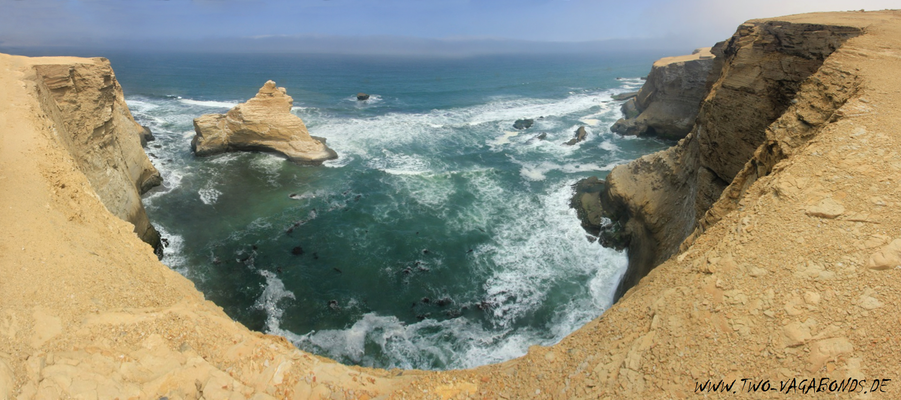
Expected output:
(440, 238)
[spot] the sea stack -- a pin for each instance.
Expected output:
(263, 123)
(668, 102)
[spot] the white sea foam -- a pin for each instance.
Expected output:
(609, 146)
(209, 104)
(400, 164)
(138, 106)
(173, 248)
(530, 253)
(360, 136)
(273, 293)
(208, 195)
(269, 164)
(504, 139)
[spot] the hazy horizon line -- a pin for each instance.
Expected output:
(375, 45)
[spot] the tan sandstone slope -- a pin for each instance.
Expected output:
(92, 121)
(796, 279)
(263, 123)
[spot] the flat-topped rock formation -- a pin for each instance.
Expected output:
(263, 123)
(668, 102)
(791, 274)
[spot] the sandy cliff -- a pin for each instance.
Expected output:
(760, 72)
(92, 121)
(790, 277)
(667, 104)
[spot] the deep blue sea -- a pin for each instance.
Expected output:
(441, 238)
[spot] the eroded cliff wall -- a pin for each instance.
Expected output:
(87, 106)
(668, 102)
(660, 198)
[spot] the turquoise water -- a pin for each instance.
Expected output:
(441, 238)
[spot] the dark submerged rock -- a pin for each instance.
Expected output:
(524, 123)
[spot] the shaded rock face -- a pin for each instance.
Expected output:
(580, 135)
(146, 136)
(587, 203)
(668, 102)
(93, 122)
(770, 94)
(263, 123)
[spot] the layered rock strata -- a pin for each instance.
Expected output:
(91, 119)
(668, 101)
(263, 123)
(760, 72)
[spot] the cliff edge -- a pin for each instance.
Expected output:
(668, 102)
(91, 120)
(263, 123)
(794, 280)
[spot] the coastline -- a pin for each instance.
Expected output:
(775, 289)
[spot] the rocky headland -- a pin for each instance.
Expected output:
(93, 123)
(775, 224)
(263, 123)
(668, 102)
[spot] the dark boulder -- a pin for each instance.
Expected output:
(581, 133)
(524, 123)
(588, 205)
(362, 96)
(146, 136)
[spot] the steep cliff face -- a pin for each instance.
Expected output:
(668, 102)
(91, 118)
(659, 198)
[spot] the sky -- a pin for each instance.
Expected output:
(389, 26)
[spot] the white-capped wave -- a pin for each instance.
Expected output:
(274, 292)
(173, 250)
(209, 103)
(209, 195)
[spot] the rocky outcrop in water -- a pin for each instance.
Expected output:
(362, 96)
(93, 122)
(523, 123)
(263, 123)
(579, 136)
(662, 198)
(668, 101)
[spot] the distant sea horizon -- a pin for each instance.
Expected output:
(440, 238)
